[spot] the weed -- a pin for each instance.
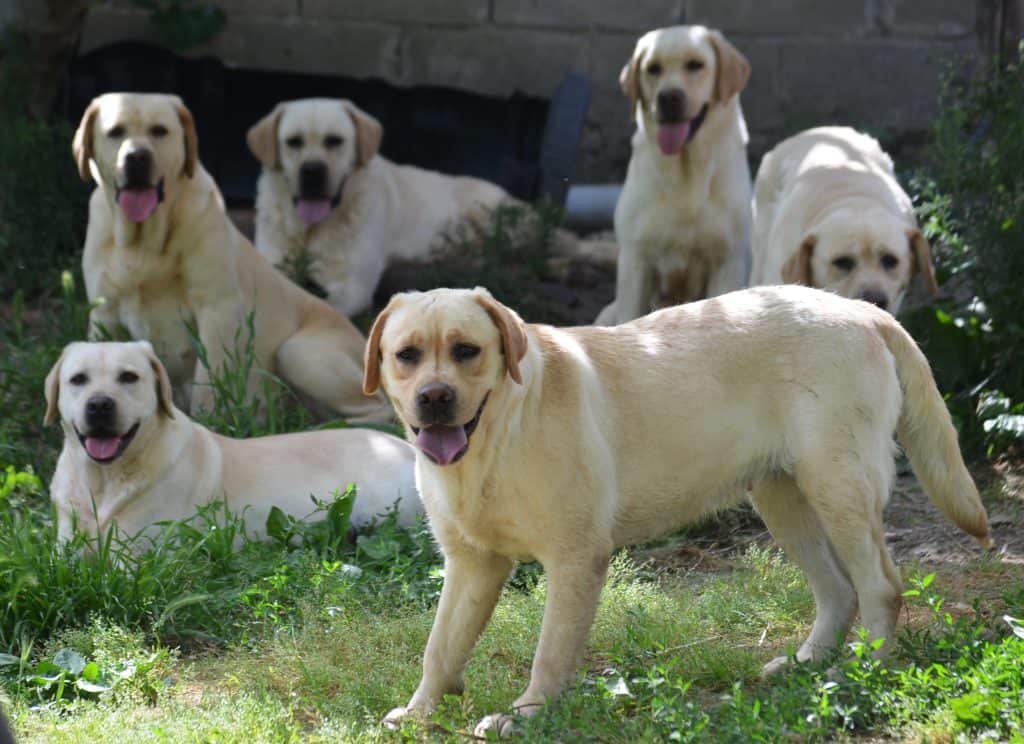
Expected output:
(971, 205)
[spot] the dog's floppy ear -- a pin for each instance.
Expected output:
(262, 138)
(188, 124)
(371, 357)
(81, 145)
(629, 78)
(921, 259)
(164, 396)
(797, 270)
(52, 389)
(733, 68)
(369, 134)
(512, 329)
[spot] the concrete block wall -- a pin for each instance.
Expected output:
(868, 63)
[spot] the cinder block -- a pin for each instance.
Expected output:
(638, 15)
(429, 12)
(491, 61)
(877, 85)
(947, 19)
(781, 16)
(350, 49)
(272, 8)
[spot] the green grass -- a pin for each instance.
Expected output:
(665, 662)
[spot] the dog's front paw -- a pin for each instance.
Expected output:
(393, 720)
(495, 726)
(774, 666)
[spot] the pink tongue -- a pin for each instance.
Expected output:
(138, 205)
(102, 448)
(672, 137)
(313, 211)
(442, 443)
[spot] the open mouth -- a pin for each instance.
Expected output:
(313, 211)
(445, 445)
(105, 447)
(673, 136)
(138, 202)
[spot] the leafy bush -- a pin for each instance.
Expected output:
(42, 198)
(32, 340)
(971, 204)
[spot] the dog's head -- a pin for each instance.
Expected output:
(862, 256)
(108, 395)
(138, 146)
(440, 356)
(676, 75)
(316, 144)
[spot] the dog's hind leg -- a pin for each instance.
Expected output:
(798, 529)
(315, 362)
(848, 493)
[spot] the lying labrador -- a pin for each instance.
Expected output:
(561, 445)
(325, 190)
(829, 213)
(161, 252)
(131, 458)
(683, 220)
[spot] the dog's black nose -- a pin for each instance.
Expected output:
(875, 297)
(313, 179)
(436, 403)
(100, 411)
(671, 106)
(137, 165)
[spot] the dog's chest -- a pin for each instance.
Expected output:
(157, 312)
(668, 216)
(488, 517)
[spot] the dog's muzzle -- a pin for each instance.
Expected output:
(443, 444)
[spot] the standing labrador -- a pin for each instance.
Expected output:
(325, 190)
(683, 220)
(561, 445)
(829, 213)
(161, 252)
(131, 458)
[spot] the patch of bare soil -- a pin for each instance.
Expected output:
(916, 532)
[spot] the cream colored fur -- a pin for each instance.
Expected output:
(386, 212)
(594, 438)
(829, 213)
(173, 465)
(187, 263)
(683, 221)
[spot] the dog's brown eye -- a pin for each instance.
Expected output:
(158, 131)
(693, 65)
(294, 142)
(654, 69)
(410, 355)
(116, 132)
(462, 352)
(127, 378)
(79, 379)
(844, 263)
(889, 261)
(332, 140)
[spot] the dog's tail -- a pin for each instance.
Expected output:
(929, 438)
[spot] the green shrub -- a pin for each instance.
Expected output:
(42, 198)
(971, 204)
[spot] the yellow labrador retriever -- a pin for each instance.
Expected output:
(131, 458)
(683, 220)
(560, 445)
(160, 251)
(325, 190)
(829, 213)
